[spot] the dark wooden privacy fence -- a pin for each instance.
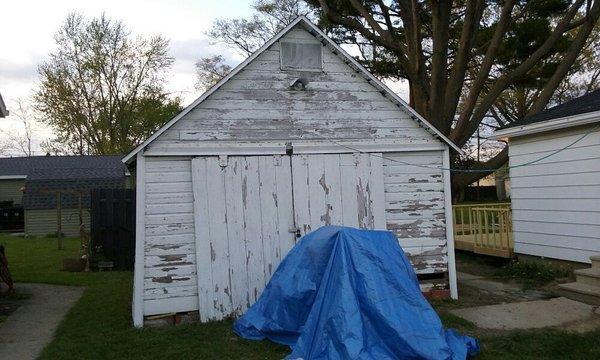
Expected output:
(113, 226)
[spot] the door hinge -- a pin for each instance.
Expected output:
(222, 161)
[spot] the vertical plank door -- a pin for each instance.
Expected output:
(242, 217)
(244, 209)
(338, 189)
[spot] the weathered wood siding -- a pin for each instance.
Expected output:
(228, 218)
(44, 222)
(258, 105)
(414, 206)
(10, 190)
(556, 201)
(338, 189)
(170, 261)
(243, 219)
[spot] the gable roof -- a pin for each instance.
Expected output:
(41, 173)
(349, 60)
(579, 111)
(63, 167)
(3, 111)
(581, 105)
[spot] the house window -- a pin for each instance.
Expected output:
(301, 56)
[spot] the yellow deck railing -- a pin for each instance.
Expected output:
(483, 228)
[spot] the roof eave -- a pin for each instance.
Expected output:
(129, 157)
(547, 125)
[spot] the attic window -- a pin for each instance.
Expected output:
(301, 56)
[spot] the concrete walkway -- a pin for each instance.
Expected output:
(557, 312)
(525, 309)
(31, 327)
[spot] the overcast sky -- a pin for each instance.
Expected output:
(28, 27)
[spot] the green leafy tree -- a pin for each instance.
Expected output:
(102, 90)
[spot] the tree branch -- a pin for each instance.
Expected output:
(458, 74)
(484, 71)
(467, 124)
(567, 60)
(463, 179)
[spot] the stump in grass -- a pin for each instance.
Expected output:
(73, 264)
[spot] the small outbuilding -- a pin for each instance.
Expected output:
(554, 172)
(38, 186)
(298, 136)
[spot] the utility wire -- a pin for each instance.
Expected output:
(594, 129)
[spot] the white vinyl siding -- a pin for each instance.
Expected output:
(10, 190)
(556, 201)
(45, 222)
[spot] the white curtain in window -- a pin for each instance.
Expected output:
(302, 56)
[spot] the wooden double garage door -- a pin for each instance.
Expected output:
(250, 210)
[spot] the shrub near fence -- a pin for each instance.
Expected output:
(113, 227)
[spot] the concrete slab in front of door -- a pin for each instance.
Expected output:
(557, 312)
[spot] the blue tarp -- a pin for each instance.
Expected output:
(343, 293)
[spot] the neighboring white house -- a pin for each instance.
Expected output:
(556, 200)
(297, 136)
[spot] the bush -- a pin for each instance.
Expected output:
(533, 273)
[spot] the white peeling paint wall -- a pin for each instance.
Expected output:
(415, 208)
(170, 282)
(556, 202)
(258, 105)
(228, 218)
(231, 223)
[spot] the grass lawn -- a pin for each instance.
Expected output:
(99, 325)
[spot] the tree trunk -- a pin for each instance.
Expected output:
(463, 179)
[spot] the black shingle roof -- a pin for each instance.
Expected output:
(581, 105)
(64, 167)
(64, 173)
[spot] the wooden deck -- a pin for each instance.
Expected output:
(483, 229)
